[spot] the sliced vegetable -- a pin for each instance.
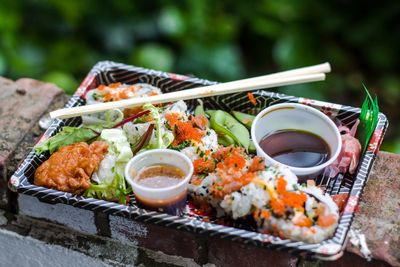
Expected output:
(368, 119)
(131, 118)
(144, 139)
(244, 118)
(225, 124)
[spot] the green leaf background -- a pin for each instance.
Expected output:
(59, 41)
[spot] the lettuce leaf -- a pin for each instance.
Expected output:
(67, 136)
(114, 187)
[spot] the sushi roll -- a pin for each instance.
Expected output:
(192, 137)
(236, 185)
(306, 214)
(225, 176)
(256, 194)
(116, 92)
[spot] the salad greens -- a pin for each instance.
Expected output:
(68, 136)
(120, 152)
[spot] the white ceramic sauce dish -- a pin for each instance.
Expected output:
(300, 117)
(171, 199)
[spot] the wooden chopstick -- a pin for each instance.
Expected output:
(296, 76)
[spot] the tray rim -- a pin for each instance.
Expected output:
(318, 250)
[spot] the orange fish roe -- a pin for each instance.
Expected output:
(278, 206)
(303, 221)
(265, 214)
(252, 98)
(173, 119)
(153, 93)
(286, 199)
(291, 199)
(234, 161)
(203, 166)
(101, 87)
(224, 152)
(123, 94)
(257, 164)
(229, 163)
(188, 130)
(196, 180)
(114, 85)
(231, 171)
(107, 97)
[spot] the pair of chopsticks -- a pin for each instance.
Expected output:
(295, 76)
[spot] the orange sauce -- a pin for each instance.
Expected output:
(159, 176)
(162, 176)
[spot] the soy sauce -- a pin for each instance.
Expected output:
(296, 148)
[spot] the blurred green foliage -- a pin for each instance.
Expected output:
(59, 41)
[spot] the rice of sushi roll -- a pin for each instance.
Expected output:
(223, 174)
(256, 194)
(306, 214)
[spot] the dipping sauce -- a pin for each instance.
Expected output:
(173, 206)
(296, 148)
(161, 176)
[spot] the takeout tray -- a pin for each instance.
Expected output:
(106, 72)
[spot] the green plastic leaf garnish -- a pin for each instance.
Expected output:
(368, 119)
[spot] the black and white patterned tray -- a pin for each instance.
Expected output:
(109, 72)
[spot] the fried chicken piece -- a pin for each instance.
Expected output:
(70, 168)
